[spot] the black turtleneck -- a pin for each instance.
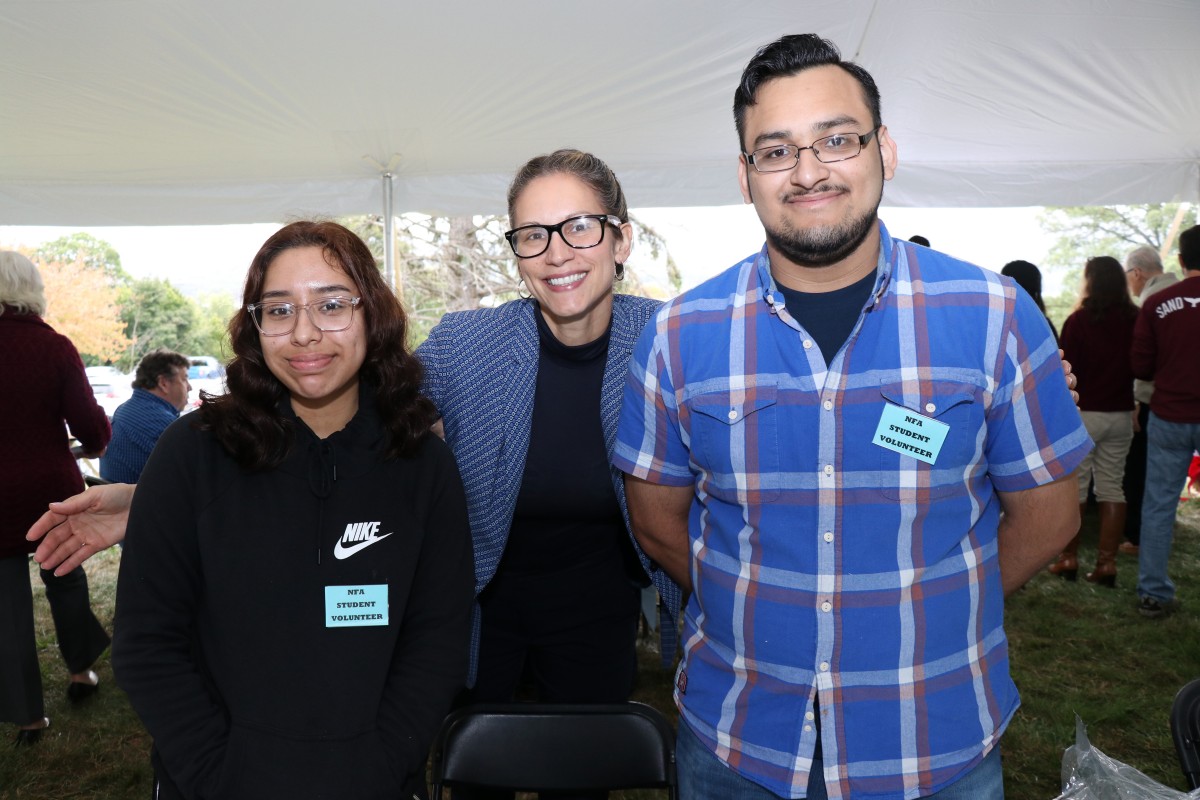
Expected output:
(567, 512)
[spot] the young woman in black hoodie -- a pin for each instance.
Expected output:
(294, 595)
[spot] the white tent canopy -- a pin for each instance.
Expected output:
(134, 112)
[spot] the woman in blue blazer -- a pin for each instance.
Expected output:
(529, 394)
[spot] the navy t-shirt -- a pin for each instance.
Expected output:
(829, 316)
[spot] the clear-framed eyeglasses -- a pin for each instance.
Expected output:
(827, 149)
(582, 232)
(328, 314)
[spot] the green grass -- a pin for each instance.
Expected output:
(1075, 649)
(1081, 649)
(99, 750)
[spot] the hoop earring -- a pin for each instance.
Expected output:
(523, 290)
(620, 272)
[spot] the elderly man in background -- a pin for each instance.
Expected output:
(1144, 272)
(160, 391)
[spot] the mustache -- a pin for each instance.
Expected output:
(822, 189)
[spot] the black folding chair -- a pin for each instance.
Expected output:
(539, 747)
(1185, 730)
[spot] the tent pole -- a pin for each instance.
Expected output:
(389, 233)
(1173, 231)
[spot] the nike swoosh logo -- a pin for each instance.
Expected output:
(341, 551)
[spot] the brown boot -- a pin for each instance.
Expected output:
(1066, 566)
(1112, 525)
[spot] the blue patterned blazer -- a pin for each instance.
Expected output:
(481, 373)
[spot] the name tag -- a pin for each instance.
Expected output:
(904, 431)
(355, 606)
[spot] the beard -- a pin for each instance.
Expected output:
(823, 245)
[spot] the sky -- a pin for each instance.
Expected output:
(213, 259)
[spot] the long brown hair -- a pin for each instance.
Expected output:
(1104, 287)
(247, 420)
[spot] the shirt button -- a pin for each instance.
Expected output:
(824, 666)
(809, 716)
(828, 405)
(829, 536)
(829, 469)
(930, 408)
(733, 413)
(827, 606)
(807, 728)
(808, 344)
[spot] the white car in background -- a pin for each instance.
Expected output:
(110, 386)
(204, 373)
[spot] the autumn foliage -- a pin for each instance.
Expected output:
(82, 305)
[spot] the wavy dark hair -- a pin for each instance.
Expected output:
(1104, 287)
(790, 55)
(247, 420)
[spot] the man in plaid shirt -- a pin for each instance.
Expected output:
(849, 448)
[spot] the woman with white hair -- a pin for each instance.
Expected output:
(43, 391)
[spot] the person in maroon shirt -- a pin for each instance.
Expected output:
(1165, 350)
(1096, 339)
(43, 391)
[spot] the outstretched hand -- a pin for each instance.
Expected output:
(77, 528)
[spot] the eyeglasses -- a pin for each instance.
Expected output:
(827, 149)
(582, 232)
(328, 314)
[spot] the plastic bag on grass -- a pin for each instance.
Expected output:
(1088, 774)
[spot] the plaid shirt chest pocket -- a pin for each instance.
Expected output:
(953, 403)
(735, 442)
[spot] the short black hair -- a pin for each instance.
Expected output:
(1028, 277)
(1189, 248)
(791, 55)
(157, 364)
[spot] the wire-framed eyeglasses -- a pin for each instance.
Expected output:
(328, 314)
(827, 149)
(582, 232)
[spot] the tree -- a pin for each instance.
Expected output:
(1086, 231)
(157, 315)
(111, 316)
(81, 305)
(212, 335)
(87, 250)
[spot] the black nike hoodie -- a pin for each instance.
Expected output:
(221, 637)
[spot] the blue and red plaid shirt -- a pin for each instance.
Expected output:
(824, 565)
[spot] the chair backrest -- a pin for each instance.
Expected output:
(541, 747)
(1185, 730)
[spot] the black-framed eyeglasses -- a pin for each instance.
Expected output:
(328, 314)
(827, 149)
(582, 232)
